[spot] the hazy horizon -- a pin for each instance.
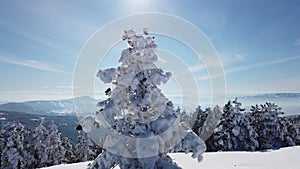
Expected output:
(290, 105)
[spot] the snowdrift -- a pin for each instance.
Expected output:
(273, 159)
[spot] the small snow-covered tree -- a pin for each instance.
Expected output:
(13, 153)
(143, 124)
(290, 132)
(69, 156)
(2, 139)
(186, 120)
(37, 146)
(53, 145)
(294, 122)
(206, 121)
(84, 150)
(200, 119)
(234, 131)
(30, 149)
(273, 130)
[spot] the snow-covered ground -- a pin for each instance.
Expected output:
(285, 158)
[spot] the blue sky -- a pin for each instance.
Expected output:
(257, 41)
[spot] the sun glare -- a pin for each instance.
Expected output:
(137, 4)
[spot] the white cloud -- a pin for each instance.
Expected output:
(67, 87)
(27, 34)
(261, 64)
(196, 68)
(200, 67)
(32, 64)
(13, 96)
(240, 57)
(208, 77)
(247, 67)
(297, 42)
(229, 59)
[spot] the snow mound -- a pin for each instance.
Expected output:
(273, 159)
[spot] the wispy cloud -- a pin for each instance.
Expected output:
(26, 34)
(261, 64)
(26, 95)
(231, 58)
(200, 67)
(297, 42)
(226, 60)
(208, 77)
(240, 57)
(67, 87)
(196, 68)
(32, 64)
(247, 67)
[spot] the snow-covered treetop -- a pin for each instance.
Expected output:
(136, 79)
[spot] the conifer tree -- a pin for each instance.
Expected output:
(69, 156)
(205, 123)
(13, 153)
(2, 140)
(84, 148)
(234, 131)
(273, 130)
(54, 149)
(38, 147)
(143, 124)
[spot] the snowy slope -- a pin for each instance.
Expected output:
(285, 158)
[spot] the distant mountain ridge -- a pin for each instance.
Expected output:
(274, 95)
(50, 107)
(3, 102)
(290, 102)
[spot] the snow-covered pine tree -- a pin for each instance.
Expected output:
(234, 132)
(69, 156)
(143, 124)
(273, 130)
(31, 149)
(54, 149)
(27, 154)
(200, 119)
(206, 121)
(290, 132)
(2, 139)
(295, 122)
(13, 153)
(84, 148)
(37, 146)
(185, 119)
